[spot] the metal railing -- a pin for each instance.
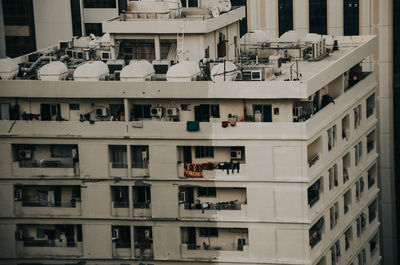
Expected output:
(47, 243)
(120, 204)
(119, 164)
(56, 204)
(138, 205)
(220, 206)
(122, 244)
(221, 247)
(45, 164)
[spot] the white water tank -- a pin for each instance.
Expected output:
(91, 71)
(53, 71)
(290, 36)
(252, 39)
(8, 68)
(217, 72)
(137, 71)
(184, 71)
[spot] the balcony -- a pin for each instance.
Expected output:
(120, 209)
(222, 170)
(121, 249)
(24, 208)
(141, 209)
(118, 169)
(39, 249)
(213, 211)
(48, 168)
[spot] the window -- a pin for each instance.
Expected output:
(61, 151)
(140, 112)
(122, 6)
(331, 137)
(207, 192)
(208, 232)
(204, 151)
(314, 192)
(372, 210)
(285, 16)
(76, 18)
(189, 3)
(120, 196)
(318, 16)
(370, 141)
(204, 112)
(262, 113)
(334, 215)
(357, 153)
(370, 105)
(359, 188)
(94, 28)
(140, 156)
(315, 232)
(346, 167)
(371, 176)
(333, 177)
(361, 223)
(357, 116)
(74, 106)
(118, 156)
(362, 257)
(346, 127)
(373, 245)
(347, 201)
(335, 253)
(351, 17)
(141, 197)
(121, 236)
(99, 4)
(348, 237)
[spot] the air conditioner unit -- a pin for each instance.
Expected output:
(24, 154)
(236, 154)
(117, 75)
(297, 112)
(105, 56)
(115, 233)
(256, 75)
(144, 155)
(172, 112)
(64, 45)
(78, 55)
(182, 196)
(156, 112)
(101, 112)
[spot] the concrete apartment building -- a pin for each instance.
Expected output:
(194, 152)
(351, 17)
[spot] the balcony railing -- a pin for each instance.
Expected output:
(220, 206)
(210, 169)
(46, 248)
(48, 243)
(71, 204)
(219, 247)
(119, 165)
(140, 205)
(45, 164)
(120, 204)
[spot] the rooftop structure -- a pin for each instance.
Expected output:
(180, 145)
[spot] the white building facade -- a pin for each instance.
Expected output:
(263, 168)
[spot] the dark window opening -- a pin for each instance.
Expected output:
(318, 16)
(99, 4)
(207, 192)
(285, 9)
(204, 112)
(204, 151)
(140, 112)
(141, 197)
(351, 17)
(76, 18)
(120, 196)
(93, 28)
(208, 232)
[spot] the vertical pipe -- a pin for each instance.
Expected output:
(2, 33)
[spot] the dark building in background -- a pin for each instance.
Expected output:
(396, 106)
(76, 18)
(19, 27)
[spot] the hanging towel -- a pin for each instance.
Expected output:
(50, 197)
(193, 126)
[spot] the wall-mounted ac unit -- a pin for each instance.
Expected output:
(182, 196)
(236, 154)
(115, 233)
(156, 112)
(24, 154)
(172, 112)
(105, 56)
(101, 112)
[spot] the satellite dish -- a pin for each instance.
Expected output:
(215, 11)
